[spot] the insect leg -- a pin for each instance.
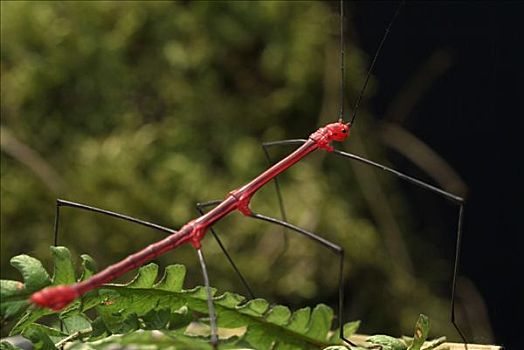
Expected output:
(455, 272)
(331, 246)
(210, 305)
(200, 207)
(265, 147)
(55, 243)
(449, 196)
(57, 221)
(63, 203)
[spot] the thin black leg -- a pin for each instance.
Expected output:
(63, 203)
(455, 272)
(284, 142)
(57, 221)
(210, 305)
(280, 198)
(447, 195)
(331, 246)
(200, 207)
(55, 243)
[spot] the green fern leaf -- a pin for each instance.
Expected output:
(134, 310)
(163, 314)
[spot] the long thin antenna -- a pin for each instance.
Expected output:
(342, 62)
(357, 104)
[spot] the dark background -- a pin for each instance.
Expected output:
(472, 116)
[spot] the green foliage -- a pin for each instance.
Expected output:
(145, 304)
(146, 108)
(386, 342)
(164, 314)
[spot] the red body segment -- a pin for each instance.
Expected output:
(57, 297)
(332, 132)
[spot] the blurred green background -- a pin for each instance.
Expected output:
(147, 108)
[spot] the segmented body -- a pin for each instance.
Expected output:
(193, 232)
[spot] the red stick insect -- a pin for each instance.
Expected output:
(193, 232)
